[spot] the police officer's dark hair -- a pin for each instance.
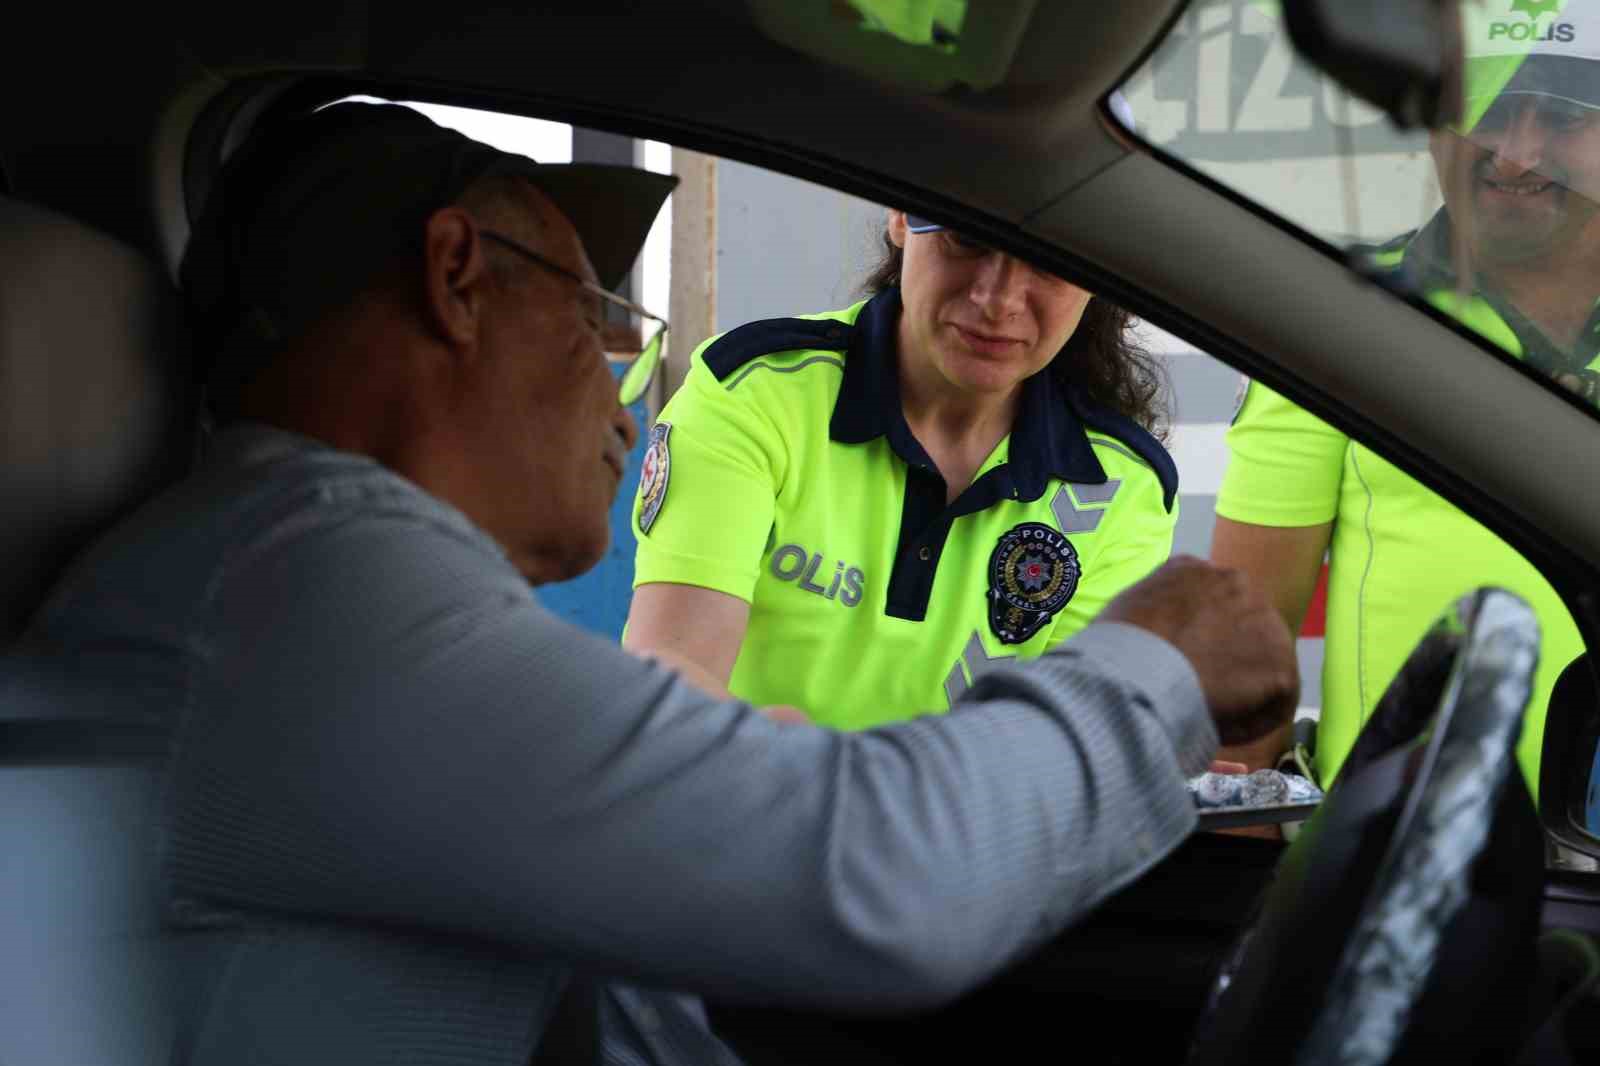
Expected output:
(1102, 358)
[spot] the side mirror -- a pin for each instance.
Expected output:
(1404, 56)
(1569, 766)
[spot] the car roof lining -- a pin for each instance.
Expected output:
(1034, 122)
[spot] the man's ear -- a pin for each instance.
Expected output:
(455, 276)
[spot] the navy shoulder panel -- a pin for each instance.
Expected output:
(752, 340)
(1140, 440)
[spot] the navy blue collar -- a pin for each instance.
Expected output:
(1048, 439)
(1425, 262)
(1427, 267)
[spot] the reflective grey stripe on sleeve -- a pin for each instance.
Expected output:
(801, 365)
(1101, 442)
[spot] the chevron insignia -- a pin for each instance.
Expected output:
(1071, 501)
(977, 660)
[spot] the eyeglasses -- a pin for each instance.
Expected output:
(643, 366)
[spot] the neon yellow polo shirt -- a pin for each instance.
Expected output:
(1399, 552)
(782, 472)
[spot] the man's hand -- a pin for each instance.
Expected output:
(1231, 634)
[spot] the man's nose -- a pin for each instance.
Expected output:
(1519, 147)
(1000, 287)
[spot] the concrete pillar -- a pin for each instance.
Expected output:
(692, 306)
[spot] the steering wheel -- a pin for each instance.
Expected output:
(1401, 923)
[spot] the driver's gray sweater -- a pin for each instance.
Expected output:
(406, 799)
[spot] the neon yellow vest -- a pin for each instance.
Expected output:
(791, 482)
(1399, 553)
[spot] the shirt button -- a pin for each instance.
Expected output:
(924, 554)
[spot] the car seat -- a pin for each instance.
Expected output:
(95, 415)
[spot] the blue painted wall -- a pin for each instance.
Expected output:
(599, 599)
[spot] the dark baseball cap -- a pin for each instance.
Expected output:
(307, 212)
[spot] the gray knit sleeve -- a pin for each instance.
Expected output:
(388, 727)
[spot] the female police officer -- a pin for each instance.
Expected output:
(857, 512)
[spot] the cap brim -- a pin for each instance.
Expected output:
(309, 210)
(611, 207)
(1570, 78)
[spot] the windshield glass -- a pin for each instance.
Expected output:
(1493, 221)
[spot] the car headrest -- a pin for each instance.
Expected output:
(96, 409)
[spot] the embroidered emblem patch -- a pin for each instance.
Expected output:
(653, 475)
(1033, 572)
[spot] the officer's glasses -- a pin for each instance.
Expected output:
(643, 366)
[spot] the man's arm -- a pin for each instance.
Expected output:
(410, 738)
(1285, 561)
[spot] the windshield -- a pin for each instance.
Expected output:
(1492, 221)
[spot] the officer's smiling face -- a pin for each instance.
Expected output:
(1528, 173)
(983, 320)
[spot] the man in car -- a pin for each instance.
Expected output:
(412, 815)
(1521, 188)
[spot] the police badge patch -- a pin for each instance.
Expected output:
(653, 475)
(1033, 572)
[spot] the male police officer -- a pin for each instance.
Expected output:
(1521, 188)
